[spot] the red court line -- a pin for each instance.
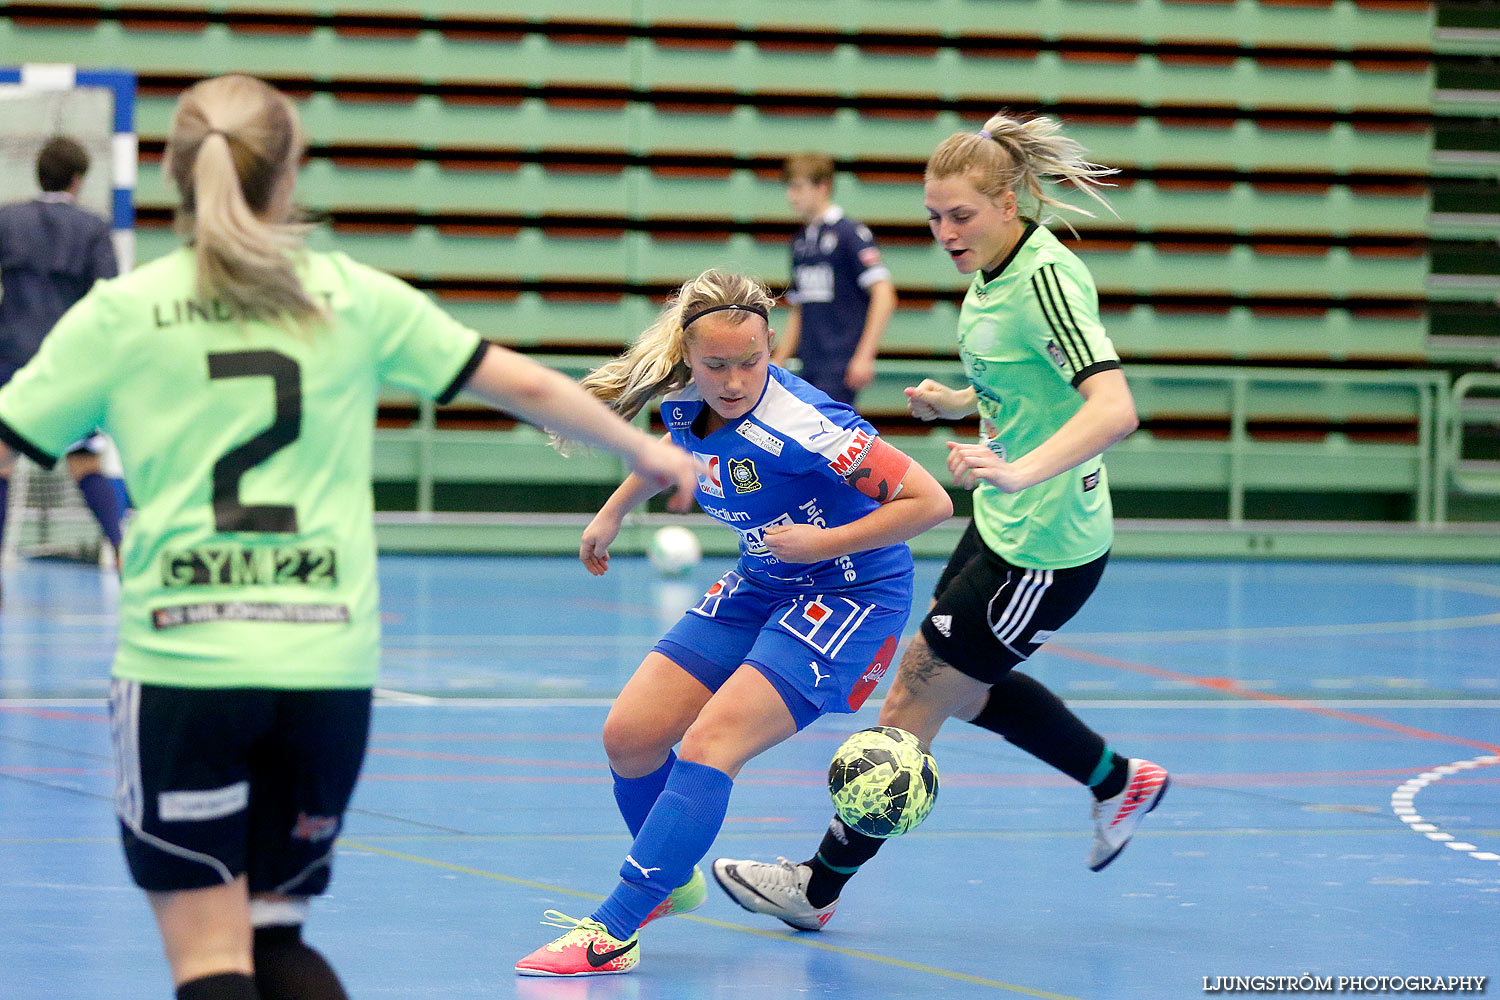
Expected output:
(474, 758)
(1225, 685)
(54, 713)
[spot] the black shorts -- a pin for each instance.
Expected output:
(214, 783)
(990, 615)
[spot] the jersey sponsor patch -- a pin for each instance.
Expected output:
(755, 538)
(760, 437)
(724, 513)
(742, 475)
(247, 566)
(869, 256)
(814, 283)
(710, 482)
(249, 611)
(315, 828)
(870, 679)
(853, 454)
(1056, 354)
(882, 473)
(201, 805)
(1091, 481)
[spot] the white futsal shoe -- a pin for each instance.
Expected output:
(778, 890)
(1116, 818)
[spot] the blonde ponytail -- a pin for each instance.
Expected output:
(232, 152)
(656, 363)
(1021, 156)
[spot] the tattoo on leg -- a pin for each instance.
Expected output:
(918, 665)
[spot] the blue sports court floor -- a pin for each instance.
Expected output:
(1332, 730)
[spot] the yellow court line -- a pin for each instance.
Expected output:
(721, 924)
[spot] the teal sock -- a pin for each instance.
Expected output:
(1108, 779)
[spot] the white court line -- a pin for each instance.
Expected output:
(1403, 804)
(1458, 584)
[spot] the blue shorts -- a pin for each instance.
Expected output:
(822, 652)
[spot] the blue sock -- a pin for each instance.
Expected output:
(4, 505)
(679, 830)
(636, 796)
(102, 499)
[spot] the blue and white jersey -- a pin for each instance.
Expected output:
(786, 462)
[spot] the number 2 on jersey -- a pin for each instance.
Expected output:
(286, 382)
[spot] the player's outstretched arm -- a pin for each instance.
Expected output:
(513, 382)
(932, 400)
(593, 549)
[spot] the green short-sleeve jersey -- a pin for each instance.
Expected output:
(1029, 333)
(246, 449)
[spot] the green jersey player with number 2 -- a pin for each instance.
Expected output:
(239, 377)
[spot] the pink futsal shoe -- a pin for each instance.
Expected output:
(588, 949)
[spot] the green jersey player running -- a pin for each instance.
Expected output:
(239, 377)
(1051, 397)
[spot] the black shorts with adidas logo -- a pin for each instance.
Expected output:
(990, 615)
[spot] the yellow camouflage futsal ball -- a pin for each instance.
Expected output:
(882, 782)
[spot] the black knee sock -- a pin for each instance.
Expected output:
(1037, 721)
(287, 969)
(222, 986)
(839, 856)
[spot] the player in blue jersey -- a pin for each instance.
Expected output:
(1051, 396)
(841, 294)
(805, 624)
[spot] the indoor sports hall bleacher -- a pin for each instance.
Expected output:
(1302, 277)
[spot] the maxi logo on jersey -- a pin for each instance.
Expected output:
(710, 482)
(847, 461)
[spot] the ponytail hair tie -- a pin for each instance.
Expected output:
(985, 134)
